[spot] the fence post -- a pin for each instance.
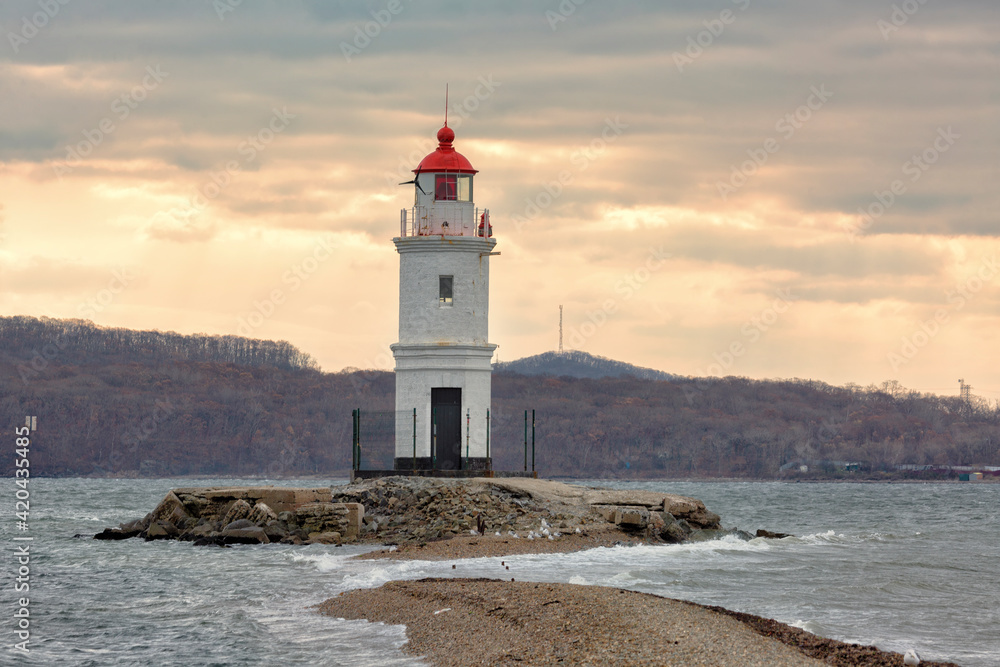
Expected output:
(434, 438)
(525, 441)
(467, 417)
(359, 438)
(489, 461)
(414, 439)
(532, 441)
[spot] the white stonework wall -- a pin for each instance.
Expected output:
(441, 345)
(421, 367)
(422, 318)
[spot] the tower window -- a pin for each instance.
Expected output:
(445, 290)
(452, 187)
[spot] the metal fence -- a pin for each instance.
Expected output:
(374, 441)
(373, 444)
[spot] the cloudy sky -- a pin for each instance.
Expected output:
(729, 187)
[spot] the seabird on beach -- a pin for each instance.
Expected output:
(911, 658)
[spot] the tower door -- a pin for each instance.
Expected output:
(446, 406)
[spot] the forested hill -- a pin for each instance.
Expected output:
(578, 364)
(126, 403)
(31, 343)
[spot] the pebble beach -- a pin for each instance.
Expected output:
(457, 622)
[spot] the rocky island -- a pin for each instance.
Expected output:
(425, 517)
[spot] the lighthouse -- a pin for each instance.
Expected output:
(443, 357)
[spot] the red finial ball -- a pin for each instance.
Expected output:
(446, 135)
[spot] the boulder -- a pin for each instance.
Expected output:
(239, 509)
(611, 513)
(239, 523)
(116, 534)
(676, 531)
(330, 537)
(275, 531)
(170, 510)
(195, 504)
(706, 535)
(253, 535)
(771, 536)
(703, 518)
(138, 525)
(161, 530)
(203, 530)
(261, 514)
(634, 518)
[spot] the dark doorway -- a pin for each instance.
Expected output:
(446, 408)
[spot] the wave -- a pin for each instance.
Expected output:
(833, 537)
(811, 627)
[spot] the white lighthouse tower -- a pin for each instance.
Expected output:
(443, 357)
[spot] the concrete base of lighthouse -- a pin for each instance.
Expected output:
(449, 387)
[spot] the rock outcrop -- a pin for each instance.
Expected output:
(420, 509)
(245, 515)
(398, 510)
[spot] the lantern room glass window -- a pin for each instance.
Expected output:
(445, 290)
(452, 187)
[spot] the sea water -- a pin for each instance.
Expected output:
(894, 565)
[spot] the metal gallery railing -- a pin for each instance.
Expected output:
(445, 220)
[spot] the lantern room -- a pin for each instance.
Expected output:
(443, 195)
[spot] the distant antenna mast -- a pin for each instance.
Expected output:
(560, 330)
(964, 392)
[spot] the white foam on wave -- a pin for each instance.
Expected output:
(323, 562)
(826, 537)
(326, 637)
(833, 537)
(811, 627)
(726, 543)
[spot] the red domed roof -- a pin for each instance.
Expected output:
(445, 158)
